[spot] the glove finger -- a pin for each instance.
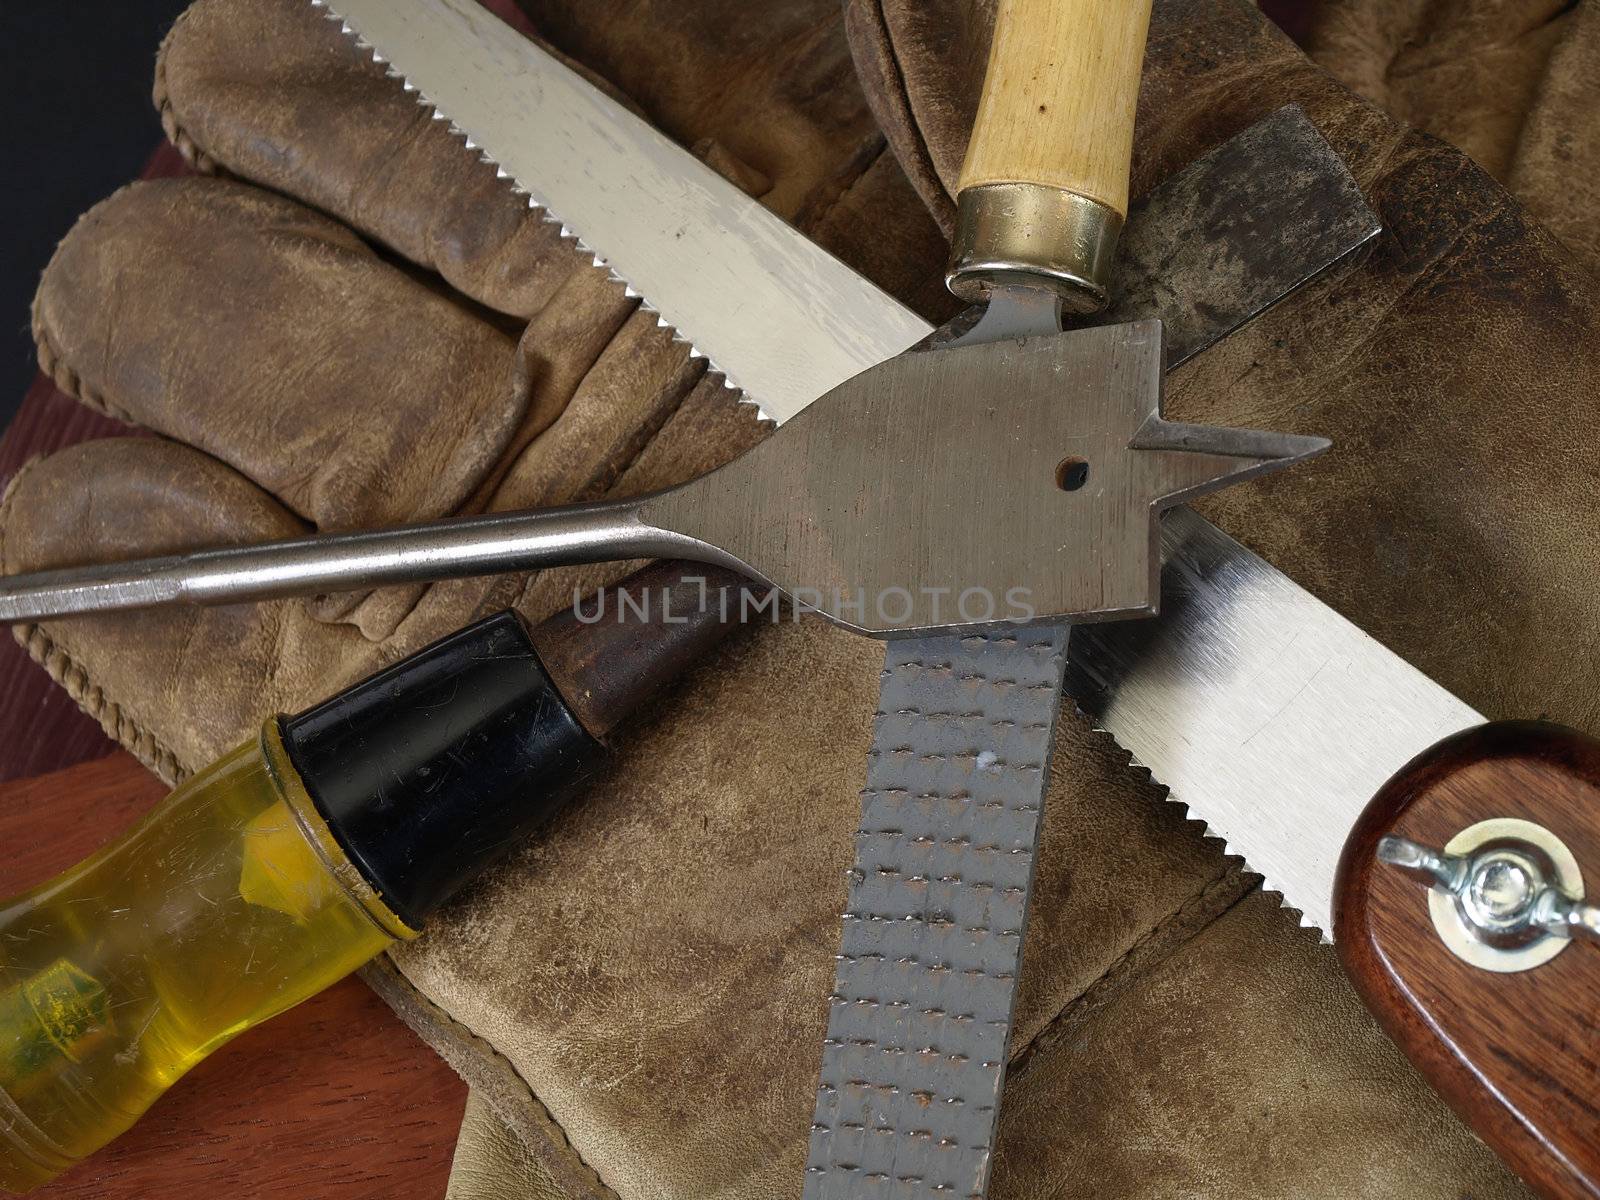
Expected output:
(129, 497)
(271, 91)
(278, 341)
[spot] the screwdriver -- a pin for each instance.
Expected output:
(303, 853)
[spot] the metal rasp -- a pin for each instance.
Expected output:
(931, 950)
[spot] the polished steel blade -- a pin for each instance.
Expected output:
(779, 316)
(1267, 713)
(1270, 716)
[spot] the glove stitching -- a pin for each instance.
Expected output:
(1231, 879)
(71, 675)
(170, 125)
(385, 977)
(121, 728)
(68, 380)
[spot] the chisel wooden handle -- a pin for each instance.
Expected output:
(1460, 915)
(1044, 188)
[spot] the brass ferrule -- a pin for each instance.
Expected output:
(1029, 235)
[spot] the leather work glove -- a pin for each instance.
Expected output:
(1516, 85)
(638, 998)
(354, 323)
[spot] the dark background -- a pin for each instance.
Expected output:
(80, 124)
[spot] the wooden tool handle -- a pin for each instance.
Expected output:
(1044, 188)
(1059, 98)
(1515, 1051)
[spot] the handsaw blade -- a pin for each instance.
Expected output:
(721, 269)
(786, 322)
(1273, 718)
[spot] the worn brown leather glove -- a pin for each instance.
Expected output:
(640, 996)
(355, 324)
(1514, 83)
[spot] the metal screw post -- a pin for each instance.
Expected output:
(1505, 895)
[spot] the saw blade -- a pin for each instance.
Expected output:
(1273, 718)
(781, 318)
(1267, 714)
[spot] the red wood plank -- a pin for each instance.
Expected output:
(334, 1099)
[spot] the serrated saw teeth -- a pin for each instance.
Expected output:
(534, 202)
(1206, 831)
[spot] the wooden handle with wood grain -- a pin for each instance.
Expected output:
(1044, 187)
(1442, 925)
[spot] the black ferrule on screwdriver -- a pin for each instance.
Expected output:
(432, 768)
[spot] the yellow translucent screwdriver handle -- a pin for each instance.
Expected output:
(266, 877)
(227, 904)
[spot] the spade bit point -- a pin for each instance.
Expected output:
(959, 488)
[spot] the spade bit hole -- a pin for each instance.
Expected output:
(1072, 473)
